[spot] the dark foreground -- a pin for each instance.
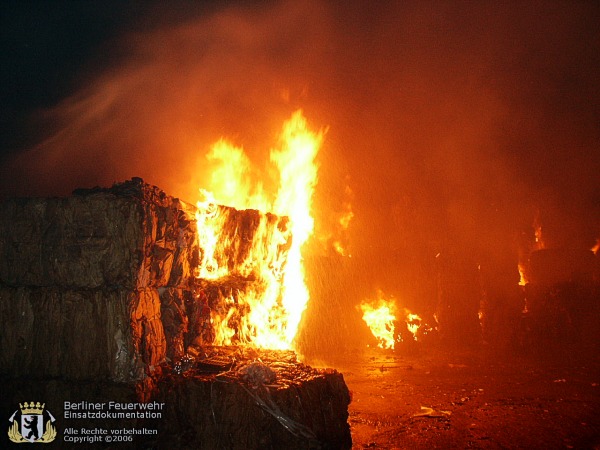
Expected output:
(473, 399)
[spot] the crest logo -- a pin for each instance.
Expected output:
(30, 428)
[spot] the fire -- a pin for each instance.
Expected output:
(413, 322)
(381, 316)
(380, 319)
(522, 276)
(268, 314)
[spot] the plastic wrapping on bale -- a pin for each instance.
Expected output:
(303, 408)
(80, 334)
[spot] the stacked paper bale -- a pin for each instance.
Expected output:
(562, 301)
(99, 298)
(102, 284)
(459, 299)
(80, 279)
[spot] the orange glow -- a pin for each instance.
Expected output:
(344, 223)
(269, 312)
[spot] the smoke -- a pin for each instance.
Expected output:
(452, 123)
(168, 93)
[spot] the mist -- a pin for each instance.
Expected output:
(452, 124)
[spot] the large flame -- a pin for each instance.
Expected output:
(267, 314)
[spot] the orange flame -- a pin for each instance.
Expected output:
(270, 311)
(413, 322)
(522, 276)
(381, 316)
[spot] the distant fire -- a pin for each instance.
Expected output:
(268, 314)
(382, 318)
(522, 276)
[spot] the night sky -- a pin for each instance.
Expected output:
(448, 121)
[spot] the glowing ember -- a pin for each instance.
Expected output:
(268, 314)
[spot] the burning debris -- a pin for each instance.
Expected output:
(104, 286)
(387, 323)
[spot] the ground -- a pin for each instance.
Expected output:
(476, 398)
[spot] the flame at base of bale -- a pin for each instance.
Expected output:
(261, 246)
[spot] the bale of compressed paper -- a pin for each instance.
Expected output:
(80, 334)
(175, 305)
(277, 403)
(79, 278)
(129, 236)
(561, 265)
(270, 401)
(459, 299)
(563, 311)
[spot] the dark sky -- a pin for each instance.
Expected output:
(448, 120)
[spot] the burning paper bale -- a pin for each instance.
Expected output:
(103, 288)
